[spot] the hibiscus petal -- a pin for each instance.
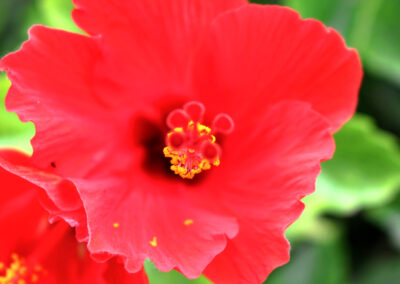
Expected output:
(70, 262)
(58, 190)
(149, 41)
(259, 54)
(17, 193)
(53, 246)
(146, 219)
(115, 273)
(262, 188)
(52, 86)
(54, 68)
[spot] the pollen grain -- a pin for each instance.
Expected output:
(153, 242)
(188, 222)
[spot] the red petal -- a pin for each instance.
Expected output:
(70, 262)
(116, 273)
(20, 213)
(103, 16)
(54, 68)
(142, 218)
(52, 87)
(59, 191)
(262, 54)
(53, 246)
(262, 187)
(149, 43)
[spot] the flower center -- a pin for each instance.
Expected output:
(191, 145)
(18, 272)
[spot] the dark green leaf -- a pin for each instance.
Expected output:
(314, 264)
(383, 270)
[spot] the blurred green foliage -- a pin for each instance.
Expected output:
(363, 174)
(350, 229)
(322, 262)
(364, 171)
(13, 133)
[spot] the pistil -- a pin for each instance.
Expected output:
(192, 145)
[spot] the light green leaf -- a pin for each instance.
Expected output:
(13, 133)
(57, 14)
(364, 171)
(156, 276)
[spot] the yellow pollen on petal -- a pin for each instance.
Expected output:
(188, 222)
(116, 225)
(153, 242)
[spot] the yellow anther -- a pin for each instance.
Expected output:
(153, 242)
(188, 222)
(116, 225)
(13, 271)
(17, 272)
(187, 160)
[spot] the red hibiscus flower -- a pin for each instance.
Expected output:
(190, 129)
(33, 251)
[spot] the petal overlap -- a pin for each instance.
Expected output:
(43, 252)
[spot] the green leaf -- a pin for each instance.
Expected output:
(173, 277)
(13, 133)
(16, 17)
(368, 25)
(381, 271)
(363, 173)
(315, 263)
(388, 218)
(266, 1)
(57, 14)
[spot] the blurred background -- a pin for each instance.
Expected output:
(350, 229)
